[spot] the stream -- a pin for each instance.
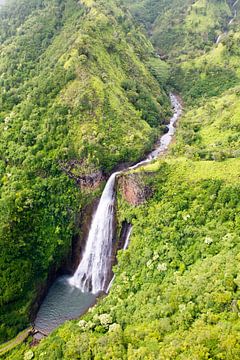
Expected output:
(70, 297)
(220, 37)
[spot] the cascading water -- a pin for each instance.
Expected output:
(68, 298)
(219, 38)
(94, 269)
(127, 240)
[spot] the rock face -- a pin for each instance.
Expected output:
(125, 226)
(91, 181)
(133, 189)
(71, 260)
(87, 181)
(79, 240)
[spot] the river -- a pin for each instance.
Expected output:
(70, 297)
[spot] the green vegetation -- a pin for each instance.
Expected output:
(176, 294)
(62, 102)
(211, 132)
(8, 346)
(181, 28)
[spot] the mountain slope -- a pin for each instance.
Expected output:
(77, 97)
(182, 28)
(176, 291)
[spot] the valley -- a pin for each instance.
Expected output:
(175, 292)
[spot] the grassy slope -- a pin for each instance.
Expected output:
(62, 67)
(176, 292)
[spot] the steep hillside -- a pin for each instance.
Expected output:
(176, 292)
(177, 288)
(77, 97)
(183, 28)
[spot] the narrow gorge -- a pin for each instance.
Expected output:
(70, 297)
(119, 211)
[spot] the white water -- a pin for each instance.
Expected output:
(94, 270)
(127, 241)
(234, 17)
(219, 38)
(166, 139)
(127, 238)
(236, 2)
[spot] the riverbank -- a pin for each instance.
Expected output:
(161, 292)
(100, 247)
(160, 148)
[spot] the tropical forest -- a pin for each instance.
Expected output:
(120, 179)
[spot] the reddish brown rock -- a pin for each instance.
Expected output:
(133, 189)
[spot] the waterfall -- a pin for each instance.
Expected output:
(127, 238)
(94, 270)
(219, 38)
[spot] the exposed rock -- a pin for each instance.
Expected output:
(73, 170)
(92, 180)
(235, 307)
(79, 241)
(133, 189)
(125, 227)
(71, 260)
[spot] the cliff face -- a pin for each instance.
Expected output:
(78, 96)
(133, 189)
(72, 258)
(188, 232)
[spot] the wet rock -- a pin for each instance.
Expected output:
(70, 262)
(79, 240)
(125, 228)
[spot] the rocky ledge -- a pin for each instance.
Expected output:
(133, 189)
(86, 181)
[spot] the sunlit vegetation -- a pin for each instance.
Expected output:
(180, 28)
(211, 132)
(176, 292)
(62, 67)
